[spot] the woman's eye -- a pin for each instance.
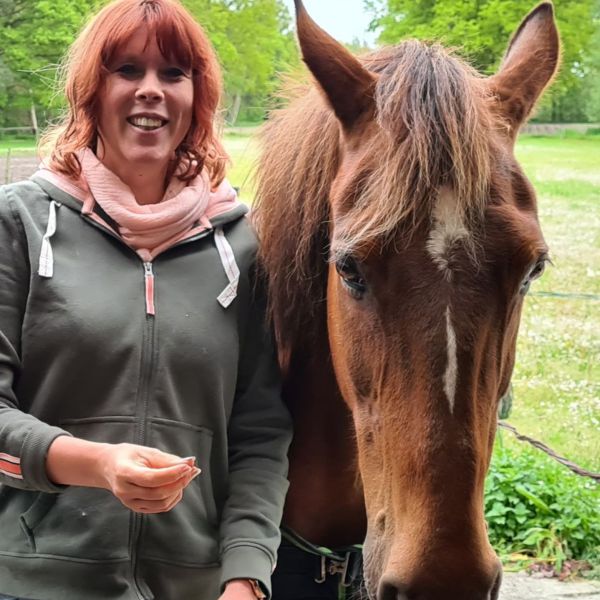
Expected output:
(174, 73)
(127, 70)
(351, 277)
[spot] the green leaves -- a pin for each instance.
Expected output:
(34, 35)
(534, 506)
(254, 42)
(481, 29)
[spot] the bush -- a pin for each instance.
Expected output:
(538, 508)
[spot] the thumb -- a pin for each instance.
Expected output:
(157, 459)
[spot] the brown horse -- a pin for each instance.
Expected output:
(400, 236)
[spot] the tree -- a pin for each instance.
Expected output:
(34, 35)
(593, 78)
(253, 41)
(481, 30)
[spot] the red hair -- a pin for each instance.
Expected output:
(178, 37)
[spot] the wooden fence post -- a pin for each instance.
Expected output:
(7, 168)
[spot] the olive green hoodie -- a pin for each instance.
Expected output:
(82, 354)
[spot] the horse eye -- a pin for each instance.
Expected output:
(535, 273)
(352, 280)
(538, 270)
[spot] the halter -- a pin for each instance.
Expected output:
(346, 561)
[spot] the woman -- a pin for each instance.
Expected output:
(142, 437)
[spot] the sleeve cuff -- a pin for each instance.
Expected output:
(33, 458)
(247, 561)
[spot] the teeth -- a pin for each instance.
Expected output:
(146, 122)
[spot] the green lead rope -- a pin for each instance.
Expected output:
(345, 562)
(299, 542)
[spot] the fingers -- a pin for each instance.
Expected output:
(146, 479)
(157, 506)
(157, 468)
(155, 478)
(156, 459)
(155, 500)
(141, 493)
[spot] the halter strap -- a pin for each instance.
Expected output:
(346, 561)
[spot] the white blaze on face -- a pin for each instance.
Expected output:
(451, 374)
(448, 227)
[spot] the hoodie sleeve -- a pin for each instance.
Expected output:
(259, 436)
(24, 440)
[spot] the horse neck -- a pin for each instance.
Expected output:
(325, 501)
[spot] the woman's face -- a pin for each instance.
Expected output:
(145, 106)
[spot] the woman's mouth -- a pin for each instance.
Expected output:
(147, 123)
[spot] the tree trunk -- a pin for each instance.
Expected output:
(234, 111)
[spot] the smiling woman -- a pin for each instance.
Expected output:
(146, 110)
(143, 439)
(168, 64)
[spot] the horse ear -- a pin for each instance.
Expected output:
(530, 63)
(348, 86)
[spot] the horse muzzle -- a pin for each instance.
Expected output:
(482, 586)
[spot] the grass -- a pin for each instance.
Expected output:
(243, 150)
(17, 147)
(557, 375)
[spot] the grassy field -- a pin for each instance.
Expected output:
(243, 150)
(21, 147)
(557, 376)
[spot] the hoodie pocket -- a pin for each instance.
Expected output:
(84, 523)
(188, 534)
(34, 515)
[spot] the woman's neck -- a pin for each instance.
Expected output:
(148, 186)
(147, 181)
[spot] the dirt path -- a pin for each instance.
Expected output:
(20, 168)
(519, 586)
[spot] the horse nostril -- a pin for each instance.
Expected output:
(388, 591)
(392, 588)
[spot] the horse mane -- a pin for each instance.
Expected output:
(435, 128)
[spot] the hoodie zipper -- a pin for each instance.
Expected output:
(149, 288)
(148, 358)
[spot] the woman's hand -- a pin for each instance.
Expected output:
(238, 589)
(143, 479)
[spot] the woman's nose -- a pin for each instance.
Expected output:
(149, 89)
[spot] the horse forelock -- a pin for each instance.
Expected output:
(299, 160)
(436, 130)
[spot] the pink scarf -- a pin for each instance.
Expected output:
(152, 228)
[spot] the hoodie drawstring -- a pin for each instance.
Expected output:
(227, 296)
(46, 264)
(232, 271)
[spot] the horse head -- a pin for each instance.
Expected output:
(434, 241)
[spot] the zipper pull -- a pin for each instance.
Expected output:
(149, 285)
